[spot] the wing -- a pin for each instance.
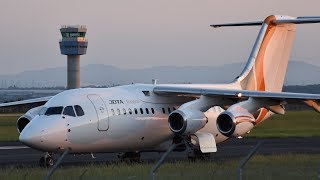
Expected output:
(311, 100)
(28, 101)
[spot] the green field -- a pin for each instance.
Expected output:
(8, 130)
(293, 124)
(261, 167)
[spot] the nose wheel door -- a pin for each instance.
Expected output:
(101, 110)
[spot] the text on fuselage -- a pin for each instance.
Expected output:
(116, 102)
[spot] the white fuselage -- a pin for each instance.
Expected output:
(118, 119)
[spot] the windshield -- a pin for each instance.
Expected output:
(69, 111)
(54, 110)
(42, 110)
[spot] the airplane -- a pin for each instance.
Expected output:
(136, 118)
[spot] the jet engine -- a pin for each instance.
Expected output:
(235, 122)
(27, 117)
(186, 122)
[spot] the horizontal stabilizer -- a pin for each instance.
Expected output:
(257, 23)
(277, 20)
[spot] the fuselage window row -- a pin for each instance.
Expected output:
(136, 111)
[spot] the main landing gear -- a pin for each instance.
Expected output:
(196, 154)
(130, 157)
(46, 160)
(193, 151)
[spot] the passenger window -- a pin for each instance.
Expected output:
(130, 111)
(79, 110)
(141, 110)
(169, 110)
(152, 110)
(135, 111)
(69, 111)
(112, 111)
(147, 110)
(118, 111)
(124, 111)
(163, 110)
(54, 110)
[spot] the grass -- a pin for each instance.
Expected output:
(292, 124)
(263, 167)
(8, 130)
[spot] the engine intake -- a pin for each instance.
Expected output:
(186, 122)
(235, 123)
(22, 123)
(225, 123)
(24, 120)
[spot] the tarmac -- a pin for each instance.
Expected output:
(16, 154)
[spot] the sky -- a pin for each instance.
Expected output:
(133, 34)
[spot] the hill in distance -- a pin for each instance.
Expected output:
(298, 73)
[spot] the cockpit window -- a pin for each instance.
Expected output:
(79, 110)
(69, 111)
(54, 110)
(43, 110)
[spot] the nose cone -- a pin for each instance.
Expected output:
(30, 138)
(44, 133)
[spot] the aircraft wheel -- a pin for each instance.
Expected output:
(46, 160)
(198, 155)
(49, 162)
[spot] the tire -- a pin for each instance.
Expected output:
(42, 162)
(49, 162)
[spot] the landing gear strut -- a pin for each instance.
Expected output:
(130, 157)
(46, 160)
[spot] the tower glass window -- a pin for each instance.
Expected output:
(73, 34)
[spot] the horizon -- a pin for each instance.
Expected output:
(135, 68)
(298, 73)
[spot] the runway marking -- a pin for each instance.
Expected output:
(13, 147)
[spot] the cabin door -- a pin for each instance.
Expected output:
(101, 111)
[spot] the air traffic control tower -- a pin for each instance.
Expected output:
(73, 44)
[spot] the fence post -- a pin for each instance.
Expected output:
(82, 174)
(246, 159)
(319, 172)
(163, 157)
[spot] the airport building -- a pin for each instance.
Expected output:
(73, 44)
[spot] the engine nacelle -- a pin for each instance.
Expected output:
(186, 122)
(235, 123)
(26, 118)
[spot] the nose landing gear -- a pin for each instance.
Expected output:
(46, 160)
